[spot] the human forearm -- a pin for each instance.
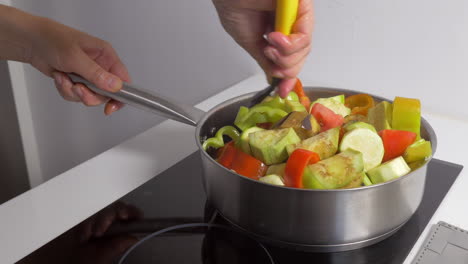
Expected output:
(15, 28)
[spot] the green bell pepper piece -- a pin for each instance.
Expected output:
(247, 118)
(419, 150)
(217, 141)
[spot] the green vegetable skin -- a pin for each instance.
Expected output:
(335, 103)
(367, 181)
(247, 118)
(269, 146)
(389, 170)
(324, 144)
(243, 142)
(350, 126)
(335, 172)
(407, 115)
(380, 116)
(292, 106)
(271, 109)
(356, 182)
(217, 141)
(419, 150)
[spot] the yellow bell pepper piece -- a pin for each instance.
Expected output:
(407, 115)
(419, 150)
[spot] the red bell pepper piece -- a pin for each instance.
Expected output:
(248, 166)
(296, 164)
(226, 154)
(326, 117)
(303, 98)
(244, 164)
(395, 142)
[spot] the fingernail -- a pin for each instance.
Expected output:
(113, 83)
(77, 91)
(57, 77)
(270, 53)
(113, 108)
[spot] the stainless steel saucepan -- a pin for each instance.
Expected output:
(314, 220)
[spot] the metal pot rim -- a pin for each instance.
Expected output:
(425, 124)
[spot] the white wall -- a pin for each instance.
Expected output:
(412, 48)
(175, 47)
(416, 48)
(13, 172)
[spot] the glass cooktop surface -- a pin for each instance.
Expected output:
(175, 198)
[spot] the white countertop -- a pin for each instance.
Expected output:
(38, 216)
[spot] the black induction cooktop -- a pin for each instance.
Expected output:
(176, 197)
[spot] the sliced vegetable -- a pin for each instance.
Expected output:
(293, 119)
(272, 179)
(325, 144)
(292, 96)
(247, 118)
(350, 126)
(359, 103)
(395, 142)
(338, 98)
(334, 104)
(278, 102)
(303, 123)
(270, 145)
(265, 125)
(334, 172)
(277, 169)
(367, 181)
(217, 141)
(243, 142)
(355, 118)
(294, 106)
(367, 142)
(389, 170)
(248, 166)
(303, 98)
(380, 116)
(295, 165)
(407, 115)
(311, 125)
(299, 89)
(226, 154)
(416, 164)
(419, 150)
(326, 117)
(356, 182)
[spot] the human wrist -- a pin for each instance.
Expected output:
(17, 33)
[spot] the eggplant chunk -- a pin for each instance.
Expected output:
(269, 146)
(356, 182)
(303, 123)
(324, 144)
(335, 172)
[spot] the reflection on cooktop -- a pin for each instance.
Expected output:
(176, 197)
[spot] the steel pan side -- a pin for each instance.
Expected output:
(310, 217)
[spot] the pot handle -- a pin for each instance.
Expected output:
(149, 101)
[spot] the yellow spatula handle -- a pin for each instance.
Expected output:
(286, 13)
